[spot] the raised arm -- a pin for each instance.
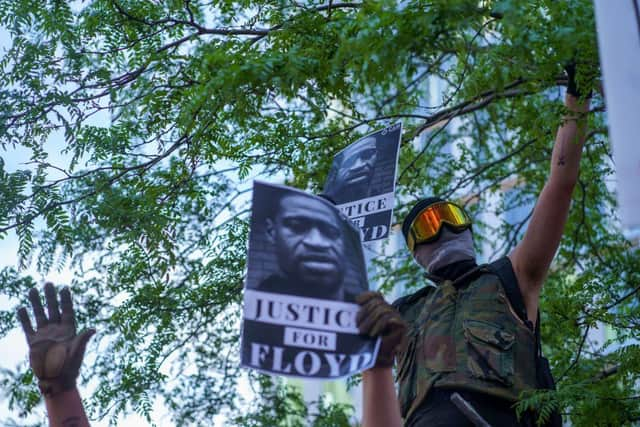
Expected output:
(55, 355)
(378, 318)
(380, 404)
(532, 257)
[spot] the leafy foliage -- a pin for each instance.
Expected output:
(165, 111)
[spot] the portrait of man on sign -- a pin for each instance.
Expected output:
(351, 177)
(305, 249)
(305, 268)
(361, 181)
(309, 247)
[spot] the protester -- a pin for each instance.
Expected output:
(475, 334)
(55, 355)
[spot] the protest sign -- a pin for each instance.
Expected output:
(618, 25)
(362, 181)
(305, 268)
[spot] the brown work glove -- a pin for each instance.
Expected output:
(378, 318)
(55, 350)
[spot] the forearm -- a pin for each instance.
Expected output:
(567, 150)
(380, 404)
(532, 257)
(66, 410)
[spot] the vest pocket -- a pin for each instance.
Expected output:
(490, 352)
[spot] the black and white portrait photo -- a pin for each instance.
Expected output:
(305, 246)
(361, 181)
(305, 268)
(351, 175)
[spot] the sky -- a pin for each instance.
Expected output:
(14, 347)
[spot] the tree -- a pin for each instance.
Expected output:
(169, 109)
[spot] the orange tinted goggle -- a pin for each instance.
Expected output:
(427, 225)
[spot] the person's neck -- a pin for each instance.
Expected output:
(454, 270)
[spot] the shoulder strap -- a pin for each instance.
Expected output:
(504, 270)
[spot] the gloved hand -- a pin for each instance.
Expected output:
(377, 317)
(55, 350)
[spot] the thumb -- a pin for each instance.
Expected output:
(80, 343)
(85, 336)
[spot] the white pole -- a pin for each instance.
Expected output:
(618, 24)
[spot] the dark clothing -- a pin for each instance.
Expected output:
(464, 336)
(439, 411)
(455, 269)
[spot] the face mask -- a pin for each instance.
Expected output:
(449, 248)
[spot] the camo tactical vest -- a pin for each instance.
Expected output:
(464, 337)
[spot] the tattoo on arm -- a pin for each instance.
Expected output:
(71, 422)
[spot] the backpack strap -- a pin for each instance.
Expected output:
(504, 270)
(537, 334)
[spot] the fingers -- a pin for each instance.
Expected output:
(370, 314)
(373, 320)
(382, 323)
(369, 306)
(38, 311)
(23, 317)
(376, 317)
(67, 306)
(52, 302)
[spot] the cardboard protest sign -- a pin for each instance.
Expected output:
(362, 181)
(619, 44)
(305, 268)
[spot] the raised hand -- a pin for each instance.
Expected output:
(55, 349)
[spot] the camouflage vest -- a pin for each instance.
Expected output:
(464, 335)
